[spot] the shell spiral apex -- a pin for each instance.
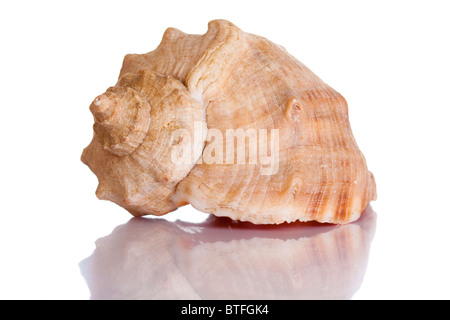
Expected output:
(232, 124)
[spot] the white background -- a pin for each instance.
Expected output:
(389, 59)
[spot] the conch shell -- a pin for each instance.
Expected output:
(289, 154)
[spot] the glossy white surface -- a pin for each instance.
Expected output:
(389, 60)
(222, 259)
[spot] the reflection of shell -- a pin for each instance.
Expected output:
(219, 259)
(226, 79)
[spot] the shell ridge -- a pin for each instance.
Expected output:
(133, 132)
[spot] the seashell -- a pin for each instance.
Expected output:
(232, 124)
(222, 259)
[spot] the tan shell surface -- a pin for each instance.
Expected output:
(234, 80)
(142, 176)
